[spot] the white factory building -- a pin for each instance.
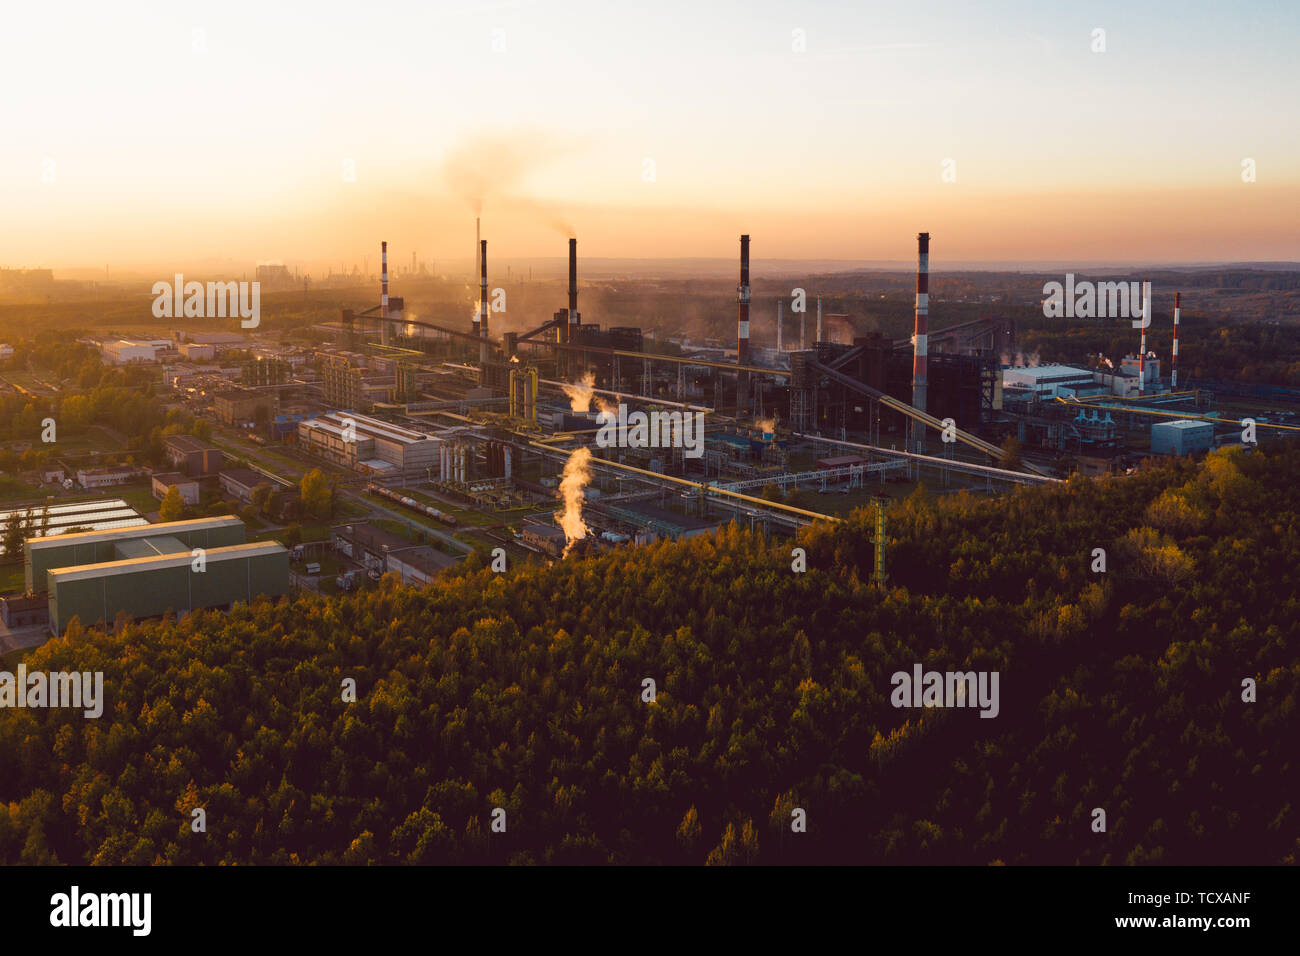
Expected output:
(370, 445)
(1046, 382)
(126, 351)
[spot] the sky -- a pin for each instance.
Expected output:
(152, 134)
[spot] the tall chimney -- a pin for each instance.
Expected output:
(482, 306)
(1173, 363)
(383, 280)
(574, 318)
(780, 306)
(1142, 348)
(920, 336)
(802, 324)
(742, 324)
(819, 321)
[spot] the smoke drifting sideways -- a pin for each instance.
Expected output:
(495, 166)
(576, 477)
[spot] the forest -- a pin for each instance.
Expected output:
(1121, 689)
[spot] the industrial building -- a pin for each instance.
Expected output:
(105, 477)
(1182, 437)
(132, 351)
(151, 570)
(187, 487)
(54, 551)
(191, 455)
(240, 482)
(238, 405)
(383, 552)
(370, 445)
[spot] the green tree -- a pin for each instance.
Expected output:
(261, 497)
(173, 507)
(317, 496)
(1011, 452)
(13, 535)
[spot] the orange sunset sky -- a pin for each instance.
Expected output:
(174, 132)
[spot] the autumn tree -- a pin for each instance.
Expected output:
(173, 506)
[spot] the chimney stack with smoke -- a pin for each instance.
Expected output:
(574, 318)
(819, 322)
(1173, 362)
(920, 336)
(742, 325)
(383, 280)
(780, 306)
(482, 306)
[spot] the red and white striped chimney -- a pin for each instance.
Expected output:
(1142, 344)
(1173, 363)
(920, 337)
(383, 280)
(482, 305)
(742, 325)
(742, 305)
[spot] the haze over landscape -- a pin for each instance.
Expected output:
(242, 119)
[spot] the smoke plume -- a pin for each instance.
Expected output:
(577, 475)
(580, 392)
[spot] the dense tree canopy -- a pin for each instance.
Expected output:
(1120, 690)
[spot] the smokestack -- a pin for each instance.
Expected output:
(819, 321)
(780, 305)
(1142, 350)
(742, 324)
(573, 282)
(920, 337)
(482, 305)
(383, 280)
(1173, 364)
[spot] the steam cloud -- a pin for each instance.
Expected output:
(580, 392)
(577, 475)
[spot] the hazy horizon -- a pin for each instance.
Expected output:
(165, 135)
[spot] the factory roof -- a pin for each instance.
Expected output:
(147, 547)
(142, 531)
(1183, 424)
(671, 518)
(422, 558)
(543, 528)
(1047, 373)
(187, 443)
(170, 478)
(82, 572)
(246, 477)
(377, 428)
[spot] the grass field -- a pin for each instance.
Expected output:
(13, 580)
(11, 489)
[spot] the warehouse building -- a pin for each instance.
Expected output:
(92, 547)
(149, 571)
(161, 580)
